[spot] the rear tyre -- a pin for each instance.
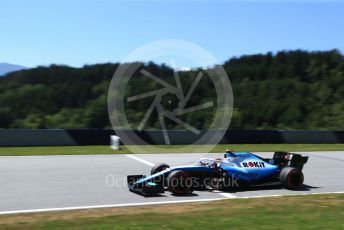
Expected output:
(291, 178)
(159, 167)
(179, 183)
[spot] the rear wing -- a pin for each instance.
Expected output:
(298, 161)
(290, 159)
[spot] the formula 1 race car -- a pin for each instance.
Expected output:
(237, 169)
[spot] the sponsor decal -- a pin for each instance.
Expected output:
(247, 174)
(253, 164)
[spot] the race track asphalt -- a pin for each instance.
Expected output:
(42, 183)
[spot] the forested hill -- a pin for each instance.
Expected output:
(286, 90)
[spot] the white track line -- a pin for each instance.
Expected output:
(107, 206)
(152, 203)
(227, 195)
(297, 194)
(140, 160)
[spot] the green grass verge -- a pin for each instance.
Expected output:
(289, 212)
(88, 150)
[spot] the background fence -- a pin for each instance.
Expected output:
(56, 137)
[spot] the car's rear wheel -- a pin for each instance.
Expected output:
(291, 178)
(180, 183)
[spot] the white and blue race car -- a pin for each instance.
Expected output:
(236, 169)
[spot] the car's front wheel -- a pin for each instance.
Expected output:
(161, 180)
(180, 183)
(159, 167)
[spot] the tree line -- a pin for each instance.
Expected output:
(284, 90)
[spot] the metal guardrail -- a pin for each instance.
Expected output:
(70, 137)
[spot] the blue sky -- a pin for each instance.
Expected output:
(78, 32)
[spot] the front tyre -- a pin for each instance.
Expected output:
(179, 183)
(159, 167)
(291, 178)
(160, 180)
